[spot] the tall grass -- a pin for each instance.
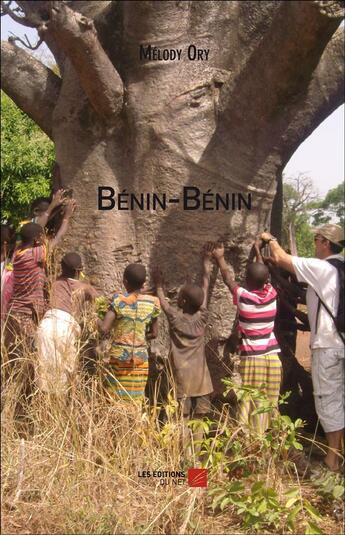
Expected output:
(71, 463)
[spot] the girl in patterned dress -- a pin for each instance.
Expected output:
(132, 320)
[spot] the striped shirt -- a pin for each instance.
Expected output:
(256, 314)
(28, 280)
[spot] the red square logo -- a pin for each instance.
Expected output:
(197, 477)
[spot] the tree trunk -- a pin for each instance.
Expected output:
(224, 124)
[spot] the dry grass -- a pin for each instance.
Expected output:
(70, 465)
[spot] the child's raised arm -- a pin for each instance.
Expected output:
(56, 201)
(158, 282)
(258, 244)
(218, 254)
(69, 210)
(207, 269)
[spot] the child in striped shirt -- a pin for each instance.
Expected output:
(27, 303)
(260, 365)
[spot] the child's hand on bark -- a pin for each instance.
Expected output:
(70, 208)
(218, 251)
(207, 257)
(157, 277)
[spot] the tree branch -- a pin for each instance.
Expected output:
(76, 36)
(323, 95)
(32, 86)
(25, 43)
(6, 10)
(282, 64)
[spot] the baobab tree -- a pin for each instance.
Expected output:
(224, 120)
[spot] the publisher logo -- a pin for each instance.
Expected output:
(197, 477)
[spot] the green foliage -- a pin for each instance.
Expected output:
(214, 449)
(102, 306)
(303, 210)
(304, 239)
(297, 197)
(331, 208)
(329, 485)
(27, 157)
(283, 433)
(261, 507)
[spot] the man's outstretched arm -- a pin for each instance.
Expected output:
(278, 256)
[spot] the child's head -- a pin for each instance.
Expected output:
(5, 239)
(5, 234)
(71, 265)
(39, 206)
(134, 277)
(8, 240)
(190, 298)
(31, 234)
(256, 276)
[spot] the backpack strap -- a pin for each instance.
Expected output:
(337, 264)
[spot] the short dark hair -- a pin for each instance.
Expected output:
(37, 203)
(8, 237)
(5, 234)
(194, 295)
(71, 263)
(257, 274)
(135, 275)
(335, 248)
(29, 232)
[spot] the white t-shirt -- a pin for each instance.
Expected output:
(323, 279)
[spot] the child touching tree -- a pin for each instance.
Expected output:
(27, 303)
(59, 331)
(260, 365)
(187, 325)
(131, 321)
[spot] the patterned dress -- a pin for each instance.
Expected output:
(127, 370)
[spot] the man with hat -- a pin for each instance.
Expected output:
(322, 274)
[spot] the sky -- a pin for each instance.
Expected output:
(320, 157)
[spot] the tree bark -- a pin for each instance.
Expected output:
(32, 86)
(226, 124)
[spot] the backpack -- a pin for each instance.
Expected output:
(339, 318)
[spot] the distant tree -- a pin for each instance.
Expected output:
(331, 208)
(27, 156)
(298, 195)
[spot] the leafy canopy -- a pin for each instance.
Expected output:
(303, 209)
(331, 208)
(27, 157)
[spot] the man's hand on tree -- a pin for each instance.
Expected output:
(259, 243)
(266, 236)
